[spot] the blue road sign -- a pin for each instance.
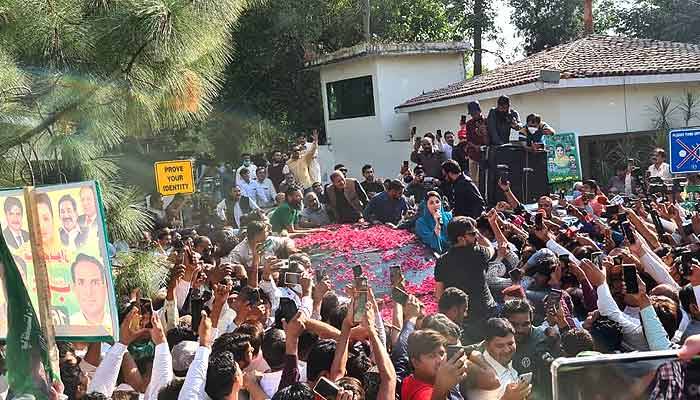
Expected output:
(684, 150)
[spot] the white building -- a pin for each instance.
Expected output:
(597, 86)
(360, 87)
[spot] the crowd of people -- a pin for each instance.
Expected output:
(245, 313)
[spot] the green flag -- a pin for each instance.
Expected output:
(27, 357)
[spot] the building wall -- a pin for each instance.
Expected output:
(587, 111)
(381, 140)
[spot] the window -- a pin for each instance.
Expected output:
(350, 98)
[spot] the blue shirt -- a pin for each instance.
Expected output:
(384, 209)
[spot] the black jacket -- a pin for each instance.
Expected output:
(464, 197)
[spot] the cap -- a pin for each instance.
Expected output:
(473, 107)
(183, 354)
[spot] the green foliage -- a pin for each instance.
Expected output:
(547, 23)
(674, 20)
(137, 269)
(271, 40)
(689, 107)
(79, 77)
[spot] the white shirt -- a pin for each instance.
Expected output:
(271, 380)
(264, 193)
(251, 168)
(241, 253)
(506, 376)
(314, 166)
(447, 149)
(237, 211)
(196, 378)
(664, 171)
(247, 188)
(105, 379)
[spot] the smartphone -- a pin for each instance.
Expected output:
(395, 273)
(357, 271)
(629, 274)
(360, 306)
(399, 296)
(525, 378)
(145, 306)
(612, 210)
(629, 234)
(452, 350)
(321, 275)
(553, 299)
(617, 260)
(564, 260)
(291, 278)
(326, 389)
(562, 194)
(539, 225)
(405, 164)
(597, 258)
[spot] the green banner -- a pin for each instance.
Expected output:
(563, 158)
(28, 367)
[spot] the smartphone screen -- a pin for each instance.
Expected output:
(617, 260)
(629, 274)
(326, 389)
(627, 230)
(452, 350)
(597, 258)
(553, 299)
(357, 271)
(145, 306)
(360, 306)
(399, 296)
(525, 378)
(291, 278)
(320, 275)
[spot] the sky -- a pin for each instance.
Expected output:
(508, 43)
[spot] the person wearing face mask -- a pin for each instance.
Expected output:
(536, 128)
(248, 165)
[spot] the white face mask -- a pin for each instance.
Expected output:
(531, 129)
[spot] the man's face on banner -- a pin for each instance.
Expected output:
(90, 289)
(68, 216)
(87, 200)
(14, 218)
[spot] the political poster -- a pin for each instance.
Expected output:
(684, 150)
(15, 231)
(690, 197)
(69, 227)
(563, 159)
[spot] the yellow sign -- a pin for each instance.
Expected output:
(173, 177)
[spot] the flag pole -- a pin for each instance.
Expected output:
(42, 279)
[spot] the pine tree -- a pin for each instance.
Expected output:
(77, 77)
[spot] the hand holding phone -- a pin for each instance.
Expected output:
(399, 296)
(629, 274)
(326, 389)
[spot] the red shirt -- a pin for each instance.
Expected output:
(414, 389)
(477, 135)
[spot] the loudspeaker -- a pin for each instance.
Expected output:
(520, 160)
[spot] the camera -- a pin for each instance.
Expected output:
(503, 171)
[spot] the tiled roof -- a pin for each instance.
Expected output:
(592, 56)
(383, 49)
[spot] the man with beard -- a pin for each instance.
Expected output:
(232, 208)
(388, 207)
(501, 120)
(277, 169)
(246, 164)
(301, 163)
(204, 247)
(286, 216)
(462, 194)
(70, 233)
